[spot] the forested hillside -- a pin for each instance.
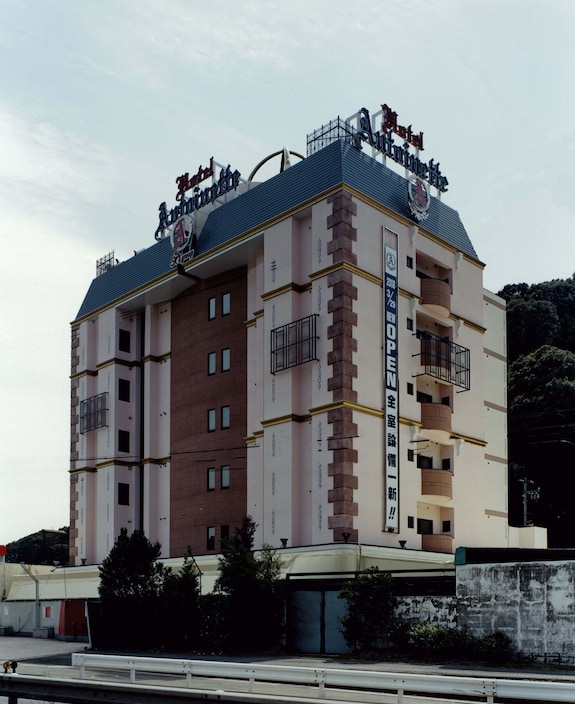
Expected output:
(541, 397)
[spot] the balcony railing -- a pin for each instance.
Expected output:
(445, 360)
(436, 294)
(437, 542)
(437, 482)
(93, 412)
(293, 344)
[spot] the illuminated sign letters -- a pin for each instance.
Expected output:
(383, 142)
(228, 181)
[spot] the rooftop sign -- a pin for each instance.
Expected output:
(228, 181)
(384, 143)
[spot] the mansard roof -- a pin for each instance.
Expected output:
(339, 164)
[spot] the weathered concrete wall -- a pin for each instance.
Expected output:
(533, 603)
(441, 610)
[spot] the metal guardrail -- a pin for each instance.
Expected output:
(486, 689)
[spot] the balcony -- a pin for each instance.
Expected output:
(437, 542)
(445, 360)
(436, 421)
(437, 482)
(436, 296)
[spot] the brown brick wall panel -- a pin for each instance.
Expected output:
(194, 508)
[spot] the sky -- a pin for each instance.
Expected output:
(103, 103)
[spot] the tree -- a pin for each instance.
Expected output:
(369, 616)
(132, 585)
(542, 381)
(46, 547)
(180, 612)
(250, 582)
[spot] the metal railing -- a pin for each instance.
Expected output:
(444, 359)
(486, 689)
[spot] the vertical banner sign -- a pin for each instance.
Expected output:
(391, 420)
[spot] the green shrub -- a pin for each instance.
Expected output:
(369, 618)
(438, 642)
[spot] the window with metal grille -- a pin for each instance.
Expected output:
(93, 412)
(293, 344)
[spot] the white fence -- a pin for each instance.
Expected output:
(485, 689)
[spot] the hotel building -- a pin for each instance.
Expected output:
(316, 350)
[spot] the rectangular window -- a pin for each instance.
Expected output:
(446, 527)
(410, 455)
(410, 323)
(424, 398)
(225, 476)
(211, 420)
(410, 522)
(210, 538)
(410, 388)
(93, 412)
(123, 494)
(424, 462)
(211, 308)
(211, 478)
(211, 363)
(226, 359)
(123, 441)
(446, 463)
(226, 304)
(124, 340)
(409, 262)
(224, 532)
(225, 419)
(424, 526)
(123, 390)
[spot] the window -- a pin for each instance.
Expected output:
(446, 463)
(409, 262)
(293, 344)
(211, 420)
(224, 532)
(225, 476)
(410, 323)
(446, 527)
(424, 398)
(123, 494)
(410, 388)
(226, 304)
(210, 537)
(211, 478)
(211, 308)
(211, 363)
(410, 455)
(123, 389)
(226, 359)
(123, 441)
(124, 340)
(225, 419)
(93, 412)
(410, 522)
(424, 526)
(424, 462)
